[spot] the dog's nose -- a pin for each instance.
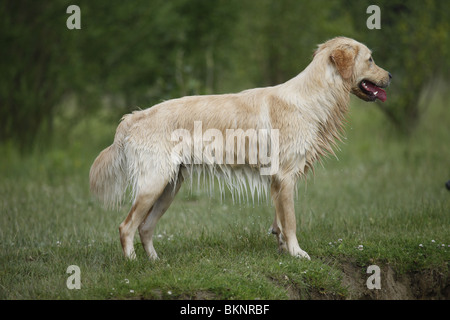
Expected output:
(390, 76)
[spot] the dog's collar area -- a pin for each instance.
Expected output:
(372, 91)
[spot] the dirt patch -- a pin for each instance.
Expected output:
(426, 284)
(419, 285)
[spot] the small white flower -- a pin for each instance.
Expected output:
(360, 247)
(169, 292)
(58, 243)
(131, 291)
(433, 241)
(126, 281)
(421, 245)
(339, 240)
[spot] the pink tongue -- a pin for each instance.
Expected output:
(378, 92)
(381, 95)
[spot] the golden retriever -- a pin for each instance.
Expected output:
(280, 132)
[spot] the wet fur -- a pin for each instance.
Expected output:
(308, 111)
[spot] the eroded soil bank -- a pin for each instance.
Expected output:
(425, 284)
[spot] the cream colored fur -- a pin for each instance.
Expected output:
(307, 111)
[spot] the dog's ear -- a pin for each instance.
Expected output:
(344, 60)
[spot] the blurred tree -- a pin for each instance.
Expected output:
(276, 39)
(134, 52)
(137, 53)
(31, 61)
(413, 44)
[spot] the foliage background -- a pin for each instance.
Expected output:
(132, 54)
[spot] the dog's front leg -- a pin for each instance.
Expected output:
(284, 225)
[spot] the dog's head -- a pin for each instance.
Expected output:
(354, 63)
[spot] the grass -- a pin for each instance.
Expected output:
(384, 202)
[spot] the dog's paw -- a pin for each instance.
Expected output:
(299, 253)
(302, 254)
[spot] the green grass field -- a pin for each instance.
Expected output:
(383, 202)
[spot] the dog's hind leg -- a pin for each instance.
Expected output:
(284, 226)
(145, 200)
(276, 230)
(147, 228)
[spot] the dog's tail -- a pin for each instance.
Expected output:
(108, 174)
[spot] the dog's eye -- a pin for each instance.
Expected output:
(370, 59)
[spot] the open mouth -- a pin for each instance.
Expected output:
(372, 91)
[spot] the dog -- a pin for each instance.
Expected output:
(296, 123)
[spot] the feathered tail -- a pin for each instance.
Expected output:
(108, 174)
